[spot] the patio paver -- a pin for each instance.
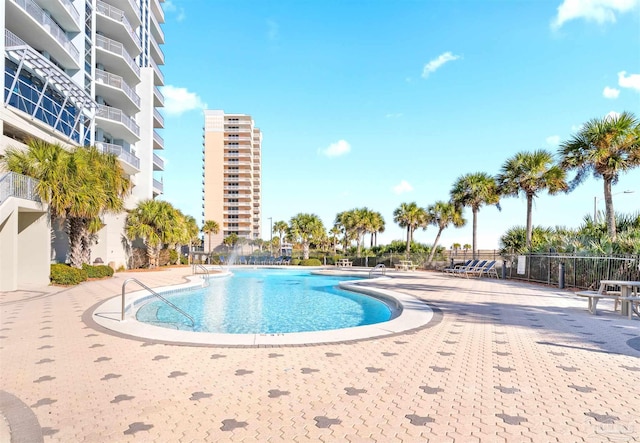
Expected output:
(506, 362)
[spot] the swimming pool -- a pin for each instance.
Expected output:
(268, 301)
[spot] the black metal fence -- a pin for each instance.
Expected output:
(580, 271)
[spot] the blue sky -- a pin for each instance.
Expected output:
(376, 103)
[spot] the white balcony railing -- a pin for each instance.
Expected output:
(158, 71)
(72, 10)
(19, 186)
(158, 186)
(119, 151)
(158, 116)
(47, 22)
(158, 139)
(117, 115)
(158, 94)
(117, 15)
(117, 82)
(118, 49)
(157, 160)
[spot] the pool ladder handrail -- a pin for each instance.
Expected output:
(193, 323)
(206, 271)
(380, 268)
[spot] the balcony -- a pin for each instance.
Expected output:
(158, 77)
(158, 163)
(115, 90)
(113, 21)
(158, 142)
(131, 10)
(158, 187)
(237, 139)
(158, 97)
(237, 163)
(158, 119)
(156, 52)
(237, 188)
(157, 10)
(130, 162)
(115, 58)
(117, 123)
(18, 186)
(36, 27)
(64, 13)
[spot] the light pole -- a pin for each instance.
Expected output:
(595, 203)
(271, 231)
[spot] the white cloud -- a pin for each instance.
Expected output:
(629, 81)
(402, 187)
(394, 115)
(610, 92)
(553, 140)
(172, 8)
(177, 101)
(612, 114)
(337, 149)
(436, 63)
(599, 11)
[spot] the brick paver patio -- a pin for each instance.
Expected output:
(501, 361)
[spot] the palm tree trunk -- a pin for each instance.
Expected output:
(435, 243)
(529, 223)
(305, 250)
(75, 242)
(475, 231)
(151, 256)
(408, 248)
(608, 207)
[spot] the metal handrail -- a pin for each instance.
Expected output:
(379, 268)
(193, 323)
(206, 271)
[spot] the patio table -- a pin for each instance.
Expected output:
(626, 293)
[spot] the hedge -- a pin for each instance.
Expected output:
(311, 262)
(62, 274)
(99, 271)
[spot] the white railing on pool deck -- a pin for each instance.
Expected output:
(193, 323)
(380, 269)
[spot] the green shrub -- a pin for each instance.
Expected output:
(99, 271)
(62, 274)
(184, 260)
(311, 262)
(295, 261)
(173, 256)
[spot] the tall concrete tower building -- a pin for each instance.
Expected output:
(81, 73)
(231, 176)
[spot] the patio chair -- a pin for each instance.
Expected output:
(488, 268)
(450, 268)
(461, 268)
(471, 269)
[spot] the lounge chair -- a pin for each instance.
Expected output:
(449, 269)
(471, 269)
(470, 264)
(488, 267)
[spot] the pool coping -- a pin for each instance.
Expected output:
(411, 313)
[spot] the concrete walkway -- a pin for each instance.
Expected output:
(501, 361)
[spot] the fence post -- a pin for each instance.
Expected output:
(561, 276)
(504, 269)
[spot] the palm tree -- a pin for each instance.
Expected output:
(305, 228)
(412, 217)
(333, 236)
(442, 214)
(529, 173)
(281, 227)
(192, 234)
(605, 147)
(154, 222)
(79, 185)
(475, 190)
(377, 225)
(210, 228)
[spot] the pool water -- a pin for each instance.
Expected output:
(267, 301)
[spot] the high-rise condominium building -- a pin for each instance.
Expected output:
(80, 73)
(231, 176)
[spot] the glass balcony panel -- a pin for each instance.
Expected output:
(117, 82)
